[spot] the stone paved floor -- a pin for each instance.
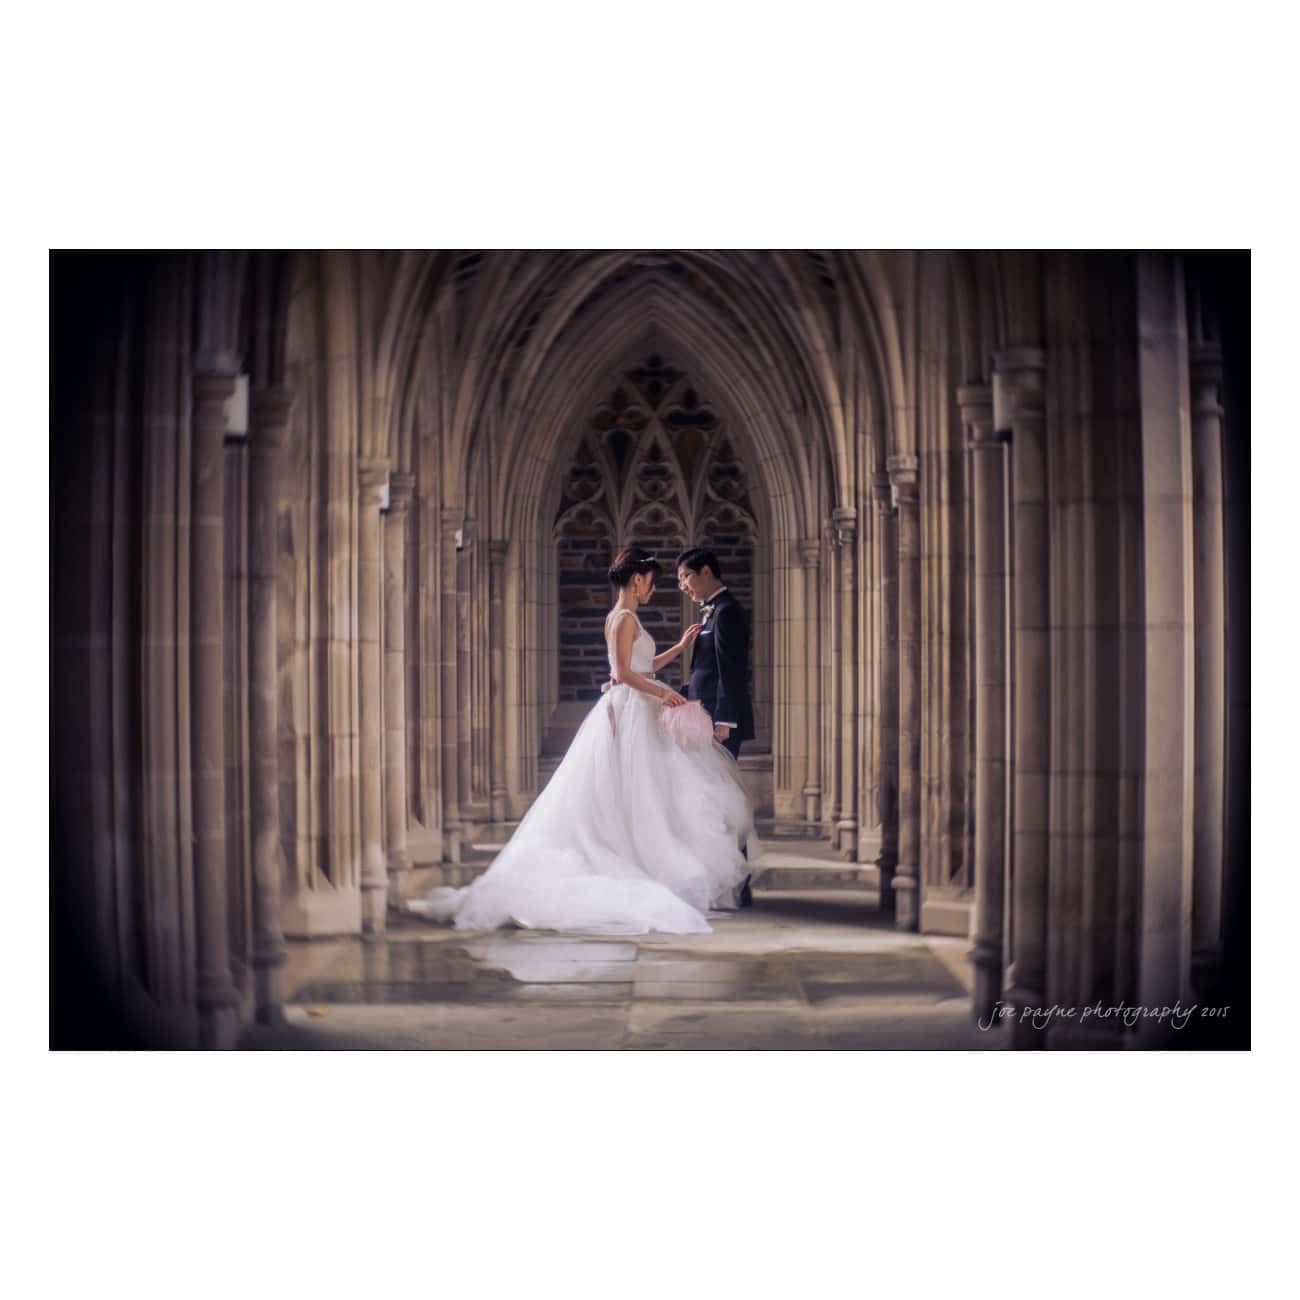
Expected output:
(811, 969)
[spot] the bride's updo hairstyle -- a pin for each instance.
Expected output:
(631, 561)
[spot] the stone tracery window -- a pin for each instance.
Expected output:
(655, 465)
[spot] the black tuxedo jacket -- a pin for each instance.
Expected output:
(720, 666)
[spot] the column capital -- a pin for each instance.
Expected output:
(810, 552)
(844, 523)
(401, 488)
(880, 491)
(1205, 361)
(1014, 360)
(212, 387)
(268, 417)
(215, 363)
(903, 470)
(371, 478)
(903, 476)
(1019, 376)
(1205, 378)
(976, 403)
(498, 549)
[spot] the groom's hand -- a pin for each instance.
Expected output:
(721, 732)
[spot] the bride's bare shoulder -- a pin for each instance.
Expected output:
(615, 623)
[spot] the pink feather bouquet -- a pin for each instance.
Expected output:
(688, 725)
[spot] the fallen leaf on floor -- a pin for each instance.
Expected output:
(317, 1011)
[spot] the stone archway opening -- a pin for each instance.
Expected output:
(655, 461)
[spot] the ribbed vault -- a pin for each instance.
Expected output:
(515, 344)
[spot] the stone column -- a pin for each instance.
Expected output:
(268, 434)
(1206, 377)
(868, 686)
(1235, 395)
(844, 520)
(448, 640)
(465, 646)
(1169, 787)
(479, 708)
(903, 478)
(427, 644)
(887, 653)
(789, 700)
(988, 483)
(216, 996)
(811, 554)
(374, 868)
(164, 467)
(1021, 375)
(968, 655)
(830, 670)
(497, 553)
(237, 704)
(400, 489)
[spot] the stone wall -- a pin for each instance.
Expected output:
(584, 600)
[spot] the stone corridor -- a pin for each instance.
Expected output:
(330, 548)
(809, 967)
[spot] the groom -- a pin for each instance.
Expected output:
(720, 658)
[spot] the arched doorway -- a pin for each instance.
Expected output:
(656, 462)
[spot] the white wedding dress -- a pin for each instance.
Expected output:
(633, 833)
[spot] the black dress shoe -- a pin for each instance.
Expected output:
(746, 894)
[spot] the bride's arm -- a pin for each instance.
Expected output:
(624, 636)
(673, 651)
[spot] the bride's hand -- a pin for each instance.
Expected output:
(670, 699)
(688, 637)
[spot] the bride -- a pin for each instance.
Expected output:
(643, 824)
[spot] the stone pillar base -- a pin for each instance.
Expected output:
(988, 980)
(947, 916)
(424, 847)
(1025, 1037)
(907, 902)
(1207, 973)
(870, 845)
(268, 984)
(316, 913)
(888, 869)
(846, 840)
(812, 797)
(218, 1028)
(374, 909)
(399, 878)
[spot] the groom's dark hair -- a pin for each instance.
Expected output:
(697, 558)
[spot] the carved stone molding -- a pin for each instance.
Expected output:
(844, 525)
(401, 490)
